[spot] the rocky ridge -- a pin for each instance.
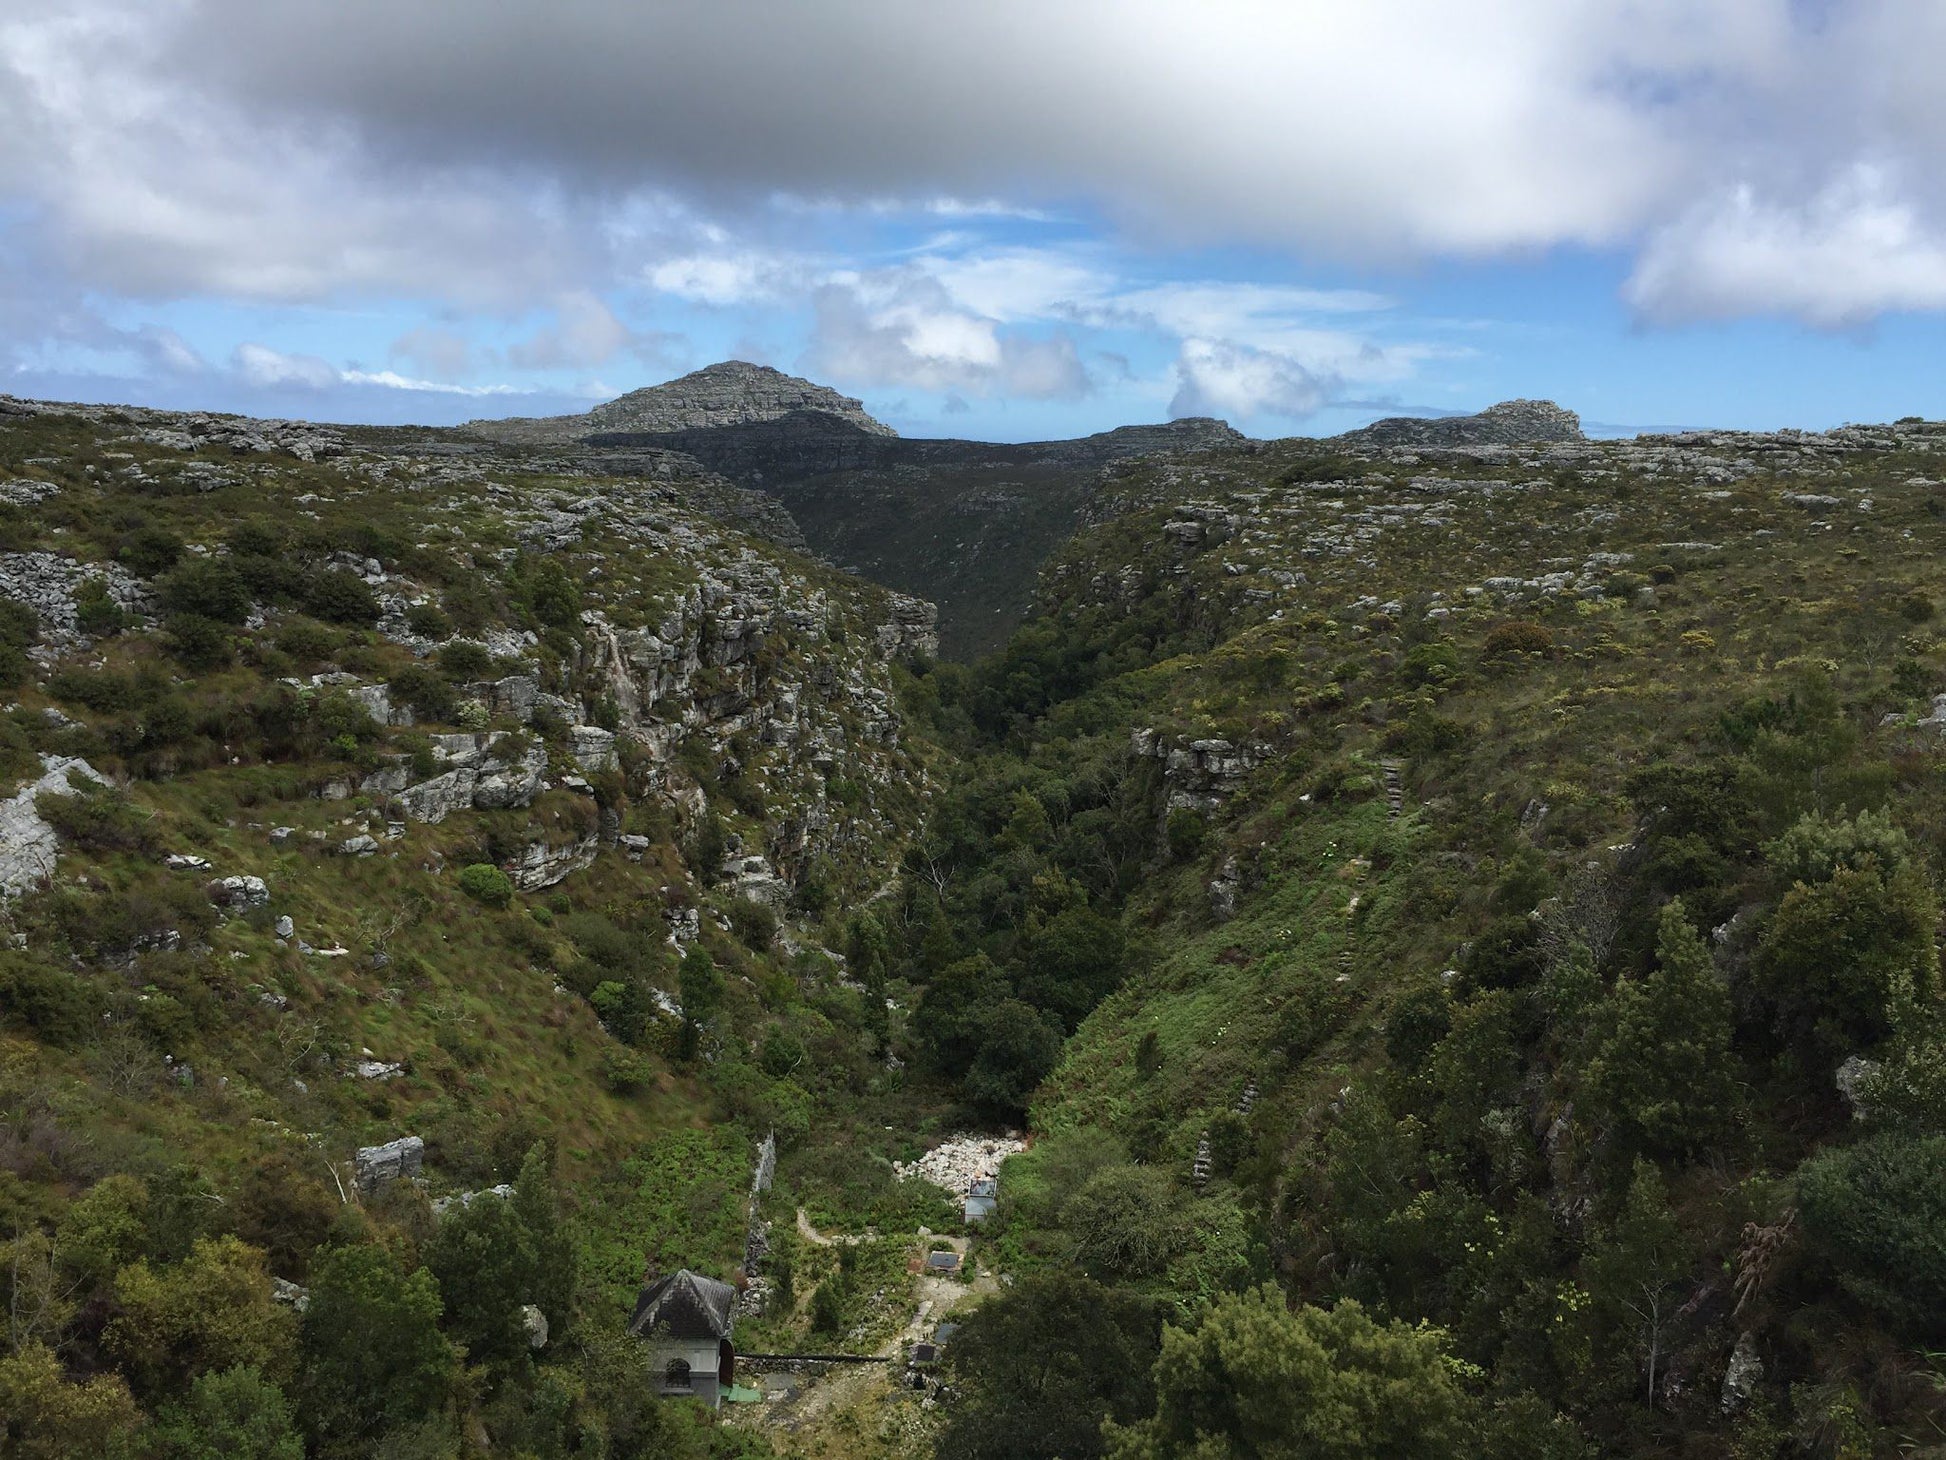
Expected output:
(730, 393)
(1511, 422)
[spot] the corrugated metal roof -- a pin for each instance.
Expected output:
(684, 1305)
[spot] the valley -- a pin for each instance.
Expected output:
(1451, 907)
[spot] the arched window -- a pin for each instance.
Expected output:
(676, 1376)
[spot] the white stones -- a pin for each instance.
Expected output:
(1745, 1372)
(361, 845)
(377, 1069)
(956, 1163)
(286, 928)
(185, 862)
(1854, 1080)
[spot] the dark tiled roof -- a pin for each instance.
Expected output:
(684, 1305)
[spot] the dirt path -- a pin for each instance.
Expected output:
(852, 1386)
(819, 1239)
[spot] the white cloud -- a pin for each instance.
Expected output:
(1221, 378)
(901, 327)
(585, 334)
(263, 368)
(1855, 250)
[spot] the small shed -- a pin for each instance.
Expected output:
(981, 1199)
(685, 1319)
(946, 1263)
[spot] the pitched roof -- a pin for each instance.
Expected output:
(684, 1305)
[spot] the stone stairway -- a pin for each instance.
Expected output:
(1394, 788)
(1200, 1171)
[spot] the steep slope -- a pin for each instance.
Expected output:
(965, 523)
(1508, 879)
(396, 820)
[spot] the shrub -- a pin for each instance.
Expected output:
(208, 588)
(98, 820)
(198, 642)
(1877, 1212)
(754, 924)
(97, 614)
(148, 551)
(19, 624)
(624, 1071)
(58, 1007)
(340, 597)
(463, 660)
(1517, 638)
(1187, 831)
(307, 640)
(428, 621)
(430, 696)
(484, 882)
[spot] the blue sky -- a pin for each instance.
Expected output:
(1009, 221)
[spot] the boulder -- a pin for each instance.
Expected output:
(377, 1165)
(241, 893)
(592, 748)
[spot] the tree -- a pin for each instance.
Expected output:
(211, 1311)
(1072, 963)
(1636, 1270)
(1256, 1381)
(485, 1262)
(701, 988)
(1018, 1049)
(538, 1204)
(235, 1415)
(1127, 1221)
(373, 1357)
(1661, 1077)
(1844, 959)
(1877, 1212)
(45, 1417)
(1028, 1390)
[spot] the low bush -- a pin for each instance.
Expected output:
(484, 882)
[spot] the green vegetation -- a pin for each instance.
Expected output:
(1459, 930)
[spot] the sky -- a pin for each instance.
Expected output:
(1008, 220)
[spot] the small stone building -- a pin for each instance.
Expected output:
(685, 1320)
(981, 1199)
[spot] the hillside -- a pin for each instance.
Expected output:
(1485, 891)
(1520, 867)
(966, 524)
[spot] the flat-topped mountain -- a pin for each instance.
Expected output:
(1511, 423)
(729, 393)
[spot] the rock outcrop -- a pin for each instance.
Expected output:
(730, 393)
(28, 844)
(1511, 423)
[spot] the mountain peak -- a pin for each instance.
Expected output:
(728, 393)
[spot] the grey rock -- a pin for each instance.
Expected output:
(732, 393)
(285, 927)
(357, 846)
(1854, 1081)
(1745, 1372)
(28, 845)
(592, 748)
(377, 1165)
(241, 893)
(1509, 423)
(533, 1323)
(542, 864)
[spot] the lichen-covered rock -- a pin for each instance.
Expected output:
(28, 845)
(592, 748)
(376, 1165)
(542, 864)
(48, 582)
